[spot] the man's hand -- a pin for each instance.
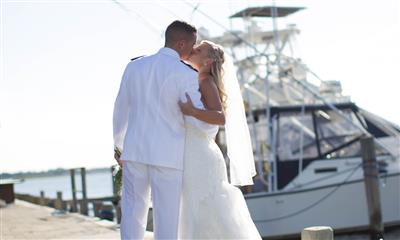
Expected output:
(187, 108)
(117, 155)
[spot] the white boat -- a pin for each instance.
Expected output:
(306, 137)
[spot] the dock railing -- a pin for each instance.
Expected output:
(99, 205)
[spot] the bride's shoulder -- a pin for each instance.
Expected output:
(207, 84)
(206, 79)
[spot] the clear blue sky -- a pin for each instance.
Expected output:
(61, 64)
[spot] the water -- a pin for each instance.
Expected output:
(98, 184)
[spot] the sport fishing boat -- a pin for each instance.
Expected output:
(306, 136)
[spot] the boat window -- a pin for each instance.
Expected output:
(258, 132)
(337, 136)
(353, 149)
(296, 136)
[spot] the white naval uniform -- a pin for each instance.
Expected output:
(149, 129)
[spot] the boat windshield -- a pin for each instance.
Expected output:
(318, 134)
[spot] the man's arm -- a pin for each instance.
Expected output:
(121, 113)
(209, 116)
(192, 90)
(214, 113)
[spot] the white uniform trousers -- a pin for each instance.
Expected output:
(165, 185)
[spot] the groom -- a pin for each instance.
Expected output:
(149, 130)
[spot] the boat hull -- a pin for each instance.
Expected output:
(341, 206)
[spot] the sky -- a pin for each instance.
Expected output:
(62, 62)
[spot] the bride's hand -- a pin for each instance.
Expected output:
(187, 107)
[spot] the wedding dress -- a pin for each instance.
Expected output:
(211, 208)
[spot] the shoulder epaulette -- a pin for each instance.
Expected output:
(135, 58)
(188, 65)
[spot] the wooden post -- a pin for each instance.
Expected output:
(74, 206)
(84, 206)
(7, 190)
(317, 233)
(58, 203)
(42, 198)
(371, 180)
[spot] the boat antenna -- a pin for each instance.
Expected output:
(274, 15)
(223, 27)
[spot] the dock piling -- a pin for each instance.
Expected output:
(42, 200)
(371, 180)
(317, 233)
(84, 204)
(74, 205)
(58, 204)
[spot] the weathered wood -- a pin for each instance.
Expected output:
(23, 221)
(84, 206)
(371, 180)
(7, 191)
(91, 200)
(42, 199)
(317, 233)
(74, 207)
(28, 198)
(103, 199)
(59, 203)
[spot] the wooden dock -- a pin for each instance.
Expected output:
(23, 220)
(104, 207)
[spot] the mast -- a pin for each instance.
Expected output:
(273, 71)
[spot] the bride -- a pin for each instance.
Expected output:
(211, 207)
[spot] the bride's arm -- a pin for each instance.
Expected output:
(213, 113)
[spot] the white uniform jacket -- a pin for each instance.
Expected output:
(148, 125)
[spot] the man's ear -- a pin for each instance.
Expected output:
(181, 44)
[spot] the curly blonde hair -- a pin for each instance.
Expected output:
(216, 53)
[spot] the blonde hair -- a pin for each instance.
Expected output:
(216, 53)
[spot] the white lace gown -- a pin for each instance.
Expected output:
(211, 208)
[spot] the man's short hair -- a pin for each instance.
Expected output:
(178, 30)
